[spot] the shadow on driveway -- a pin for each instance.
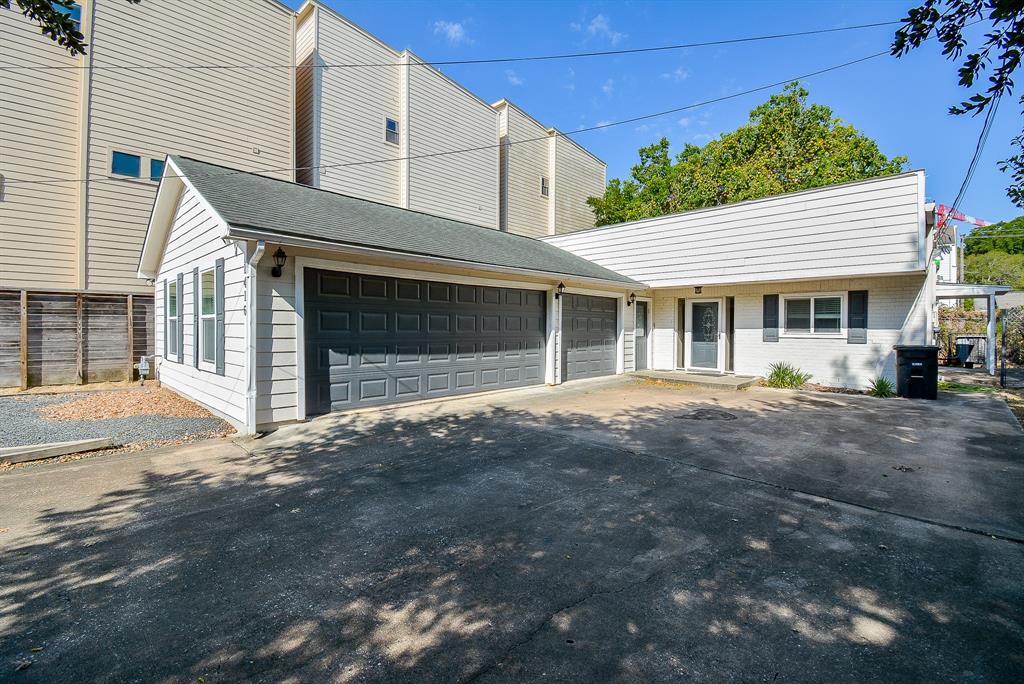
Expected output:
(501, 538)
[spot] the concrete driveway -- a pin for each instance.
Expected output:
(604, 530)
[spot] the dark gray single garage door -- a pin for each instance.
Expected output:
(589, 331)
(379, 340)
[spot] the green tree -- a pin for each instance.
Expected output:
(787, 145)
(979, 241)
(1002, 45)
(56, 21)
(995, 268)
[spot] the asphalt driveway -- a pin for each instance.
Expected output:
(608, 530)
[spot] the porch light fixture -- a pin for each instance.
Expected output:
(559, 290)
(698, 289)
(279, 258)
(631, 299)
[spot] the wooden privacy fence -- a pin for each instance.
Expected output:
(58, 338)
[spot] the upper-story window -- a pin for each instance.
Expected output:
(545, 190)
(390, 131)
(125, 164)
(73, 10)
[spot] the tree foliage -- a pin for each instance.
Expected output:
(995, 268)
(787, 145)
(1008, 238)
(55, 21)
(1001, 47)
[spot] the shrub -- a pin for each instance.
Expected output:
(786, 376)
(882, 388)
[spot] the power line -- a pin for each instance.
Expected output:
(490, 60)
(557, 133)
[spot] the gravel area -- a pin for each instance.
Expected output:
(23, 422)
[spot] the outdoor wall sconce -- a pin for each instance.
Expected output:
(279, 258)
(559, 290)
(698, 289)
(631, 299)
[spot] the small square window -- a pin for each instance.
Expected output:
(391, 131)
(74, 12)
(124, 164)
(156, 169)
(544, 188)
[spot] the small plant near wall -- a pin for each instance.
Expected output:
(882, 388)
(785, 376)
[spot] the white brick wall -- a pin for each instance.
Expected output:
(897, 314)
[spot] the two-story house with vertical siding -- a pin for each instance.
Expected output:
(71, 305)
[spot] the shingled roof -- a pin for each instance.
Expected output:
(248, 201)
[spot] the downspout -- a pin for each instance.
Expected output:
(250, 336)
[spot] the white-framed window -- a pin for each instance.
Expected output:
(545, 189)
(390, 130)
(74, 12)
(818, 315)
(207, 318)
(173, 319)
(135, 166)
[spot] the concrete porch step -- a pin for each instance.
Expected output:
(710, 380)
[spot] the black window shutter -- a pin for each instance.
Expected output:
(770, 321)
(181, 318)
(167, 300)
(196, 301)
(857, 317)
(219, 309)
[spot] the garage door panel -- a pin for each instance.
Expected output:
(373, 340)
(589, 330)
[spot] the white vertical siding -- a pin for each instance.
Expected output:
(897, 314)
(242, 119)
(39, 139)
(526, 163)
(195, 241)
(354, 103)
(871, 227)
(445, 117)
(579, 175)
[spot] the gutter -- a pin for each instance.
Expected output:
(234, 233)
(250, 336)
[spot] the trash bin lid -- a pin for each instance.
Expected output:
(915, 347)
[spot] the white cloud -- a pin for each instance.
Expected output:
(680, 74)
(609, 87)
(602, 122)
(701, 138)
(685, 122)
(575, 26)
(452, 31)
(513, 77)
(600, 27)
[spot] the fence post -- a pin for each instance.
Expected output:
(23, 348)
(1002, 355)
(131, 337)
(79, 338)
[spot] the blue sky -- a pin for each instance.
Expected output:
(900, 103)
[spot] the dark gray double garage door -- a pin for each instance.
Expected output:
(380, 340)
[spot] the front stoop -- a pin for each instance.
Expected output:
(708, 380)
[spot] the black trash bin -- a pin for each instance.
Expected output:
(917, 371)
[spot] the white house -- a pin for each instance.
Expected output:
(276, 301)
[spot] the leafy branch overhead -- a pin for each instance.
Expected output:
(787, 145)
(948, 20)
(57, 20)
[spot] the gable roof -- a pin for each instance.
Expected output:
(248, 204)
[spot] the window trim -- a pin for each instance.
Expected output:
(210, 365)
(545, 187)
(171, 341)
(145, 162)
(398, 131)
(810, 334)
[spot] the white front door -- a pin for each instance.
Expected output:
(705, 341)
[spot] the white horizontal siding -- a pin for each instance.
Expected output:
(39, 139)
(527, 162)
(195, 241)
(241, 119)
(444, 117)
(897, 314)
(578, 176)
(870, 227)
